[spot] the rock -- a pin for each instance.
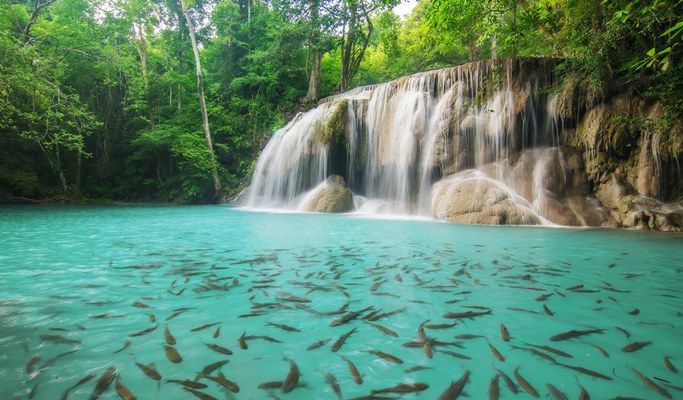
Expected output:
(331, 196)
(472, 198)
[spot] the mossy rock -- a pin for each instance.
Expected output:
(333, 127)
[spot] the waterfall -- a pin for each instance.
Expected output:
(397, 144)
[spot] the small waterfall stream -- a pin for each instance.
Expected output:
(403, 145)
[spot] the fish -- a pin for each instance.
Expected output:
(334, 384)
(585, 371)
(126, 343)
(402, 388)
(341, 340)
(225, 382)
(242, 341)
(466, 314)
(652, 385)
(219, 349)
(496, 353)
(144, 331)
(635, 311)
(600, 349)
(385, 356)
(150, 371)
(103, 383)
(170, 339)
(455, 389)
(353, 370)
(440, 326)
(200, 395)
(468, 336)
(635, 346)
(205, 326)
(455, 355)
(292, 377)
(217, 332)
(318, 344)
(83, 380)
(173, 355)
(508, 381)
(551, 350)
(525, 384)
(138, 304)
(573, 334)
(624, 331)
(386, 314)
(176, 313)
(123, 391)
(31, 363)
(284, 327)
(504, 333)
(427, 348)
(583, 394)
(669, 365)
(270, 385)
(547, 310)
(494, 388)
(212, 367)
(555, 393)
(382, 329)
(349, 317)
(187, 383)
(57, 339)
(417, 368)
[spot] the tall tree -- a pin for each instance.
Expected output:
(184, 8)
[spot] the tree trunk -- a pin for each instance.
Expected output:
(202, 106)
(315, 53)
(77, 177)
(314, 81)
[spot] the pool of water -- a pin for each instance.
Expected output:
(78, 283)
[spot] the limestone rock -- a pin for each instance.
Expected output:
(331, 196)
(475, 199)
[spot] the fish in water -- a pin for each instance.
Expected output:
(651, 385)
(555, 393)
(123, 391)
(242, 341)
(284, 327)
(385, 356)
(494, 388)
(455, 355)
(200, 395)
(402, 388)
(83, 380)
(145, 331)
(547, 310)
(126, 343)
(225, 382)
(504, 333)
(219, 349)
(334, 384)
(583, 394)
(292, 377)
(187, 383)
(150, 371)
(318, 344)
(173, 355)
(342, 339)
(635, 346)
(466, 314)
(31, 363)
(349, 317)
(57, 339)
(213, 366)
(455, 389)
(496, 353)
(355, 373)
(205, 326)
(382, 329)
(103, 383)
(573, 334)
(217, 332)
(552, 350)
(669, 365)
(508, 381)
(170, 339)
(525, 384)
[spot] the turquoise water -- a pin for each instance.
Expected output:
(97, 275)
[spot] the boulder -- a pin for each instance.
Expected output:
(472, 198)
(331, 196)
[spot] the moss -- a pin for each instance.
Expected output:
(333, 127)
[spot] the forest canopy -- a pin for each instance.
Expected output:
(171, 100)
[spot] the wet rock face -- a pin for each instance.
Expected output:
(332, 196)
(471, 198)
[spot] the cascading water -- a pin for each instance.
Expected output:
(398, 145)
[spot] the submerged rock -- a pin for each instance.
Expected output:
(331, 196)
(473, 198)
